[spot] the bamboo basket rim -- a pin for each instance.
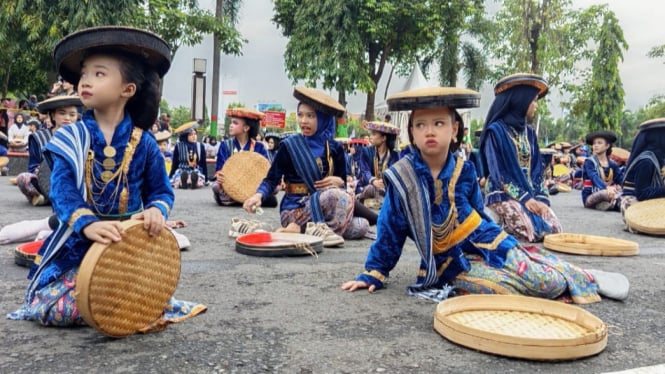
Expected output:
(280, 244)
(647, 216)
(590, 245)
(123, 287)
(489, 316)
(243, 173)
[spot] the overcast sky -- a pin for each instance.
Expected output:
(259, 76)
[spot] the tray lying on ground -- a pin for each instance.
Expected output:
(590, 245)
(647, 216)
(520, 326)
(276, 244)
(24, 254)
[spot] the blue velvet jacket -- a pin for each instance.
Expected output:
(483, 238)
(283, 166)
(591, 175)
(147, 186)
(366, 164)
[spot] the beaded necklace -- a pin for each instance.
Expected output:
(383, 161)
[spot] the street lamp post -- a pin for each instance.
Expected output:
(198, 89)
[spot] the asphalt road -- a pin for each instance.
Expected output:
(288, 315)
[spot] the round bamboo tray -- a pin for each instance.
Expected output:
(278, 244)
(590, 245)
(243, 173)
(123, 287)
(520, 326)
(647, 216)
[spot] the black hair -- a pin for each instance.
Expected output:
(391, 140)
(143, 107)
(454, 117)
(387, 118)
(254, 125)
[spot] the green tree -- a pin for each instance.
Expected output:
(34, 27)
(346, 45)
(452, 55)
(606, 89)
(657, 52)
(546, 37)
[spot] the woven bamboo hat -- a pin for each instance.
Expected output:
(619, 154)
(647, 216)
(609, 136)
(122, 288)
(273, 135)
(434, 97)
(245, 113)
(382, 127)
(655, 123)
(243, 173)
(522, 79)
(186, 127)
(319, 100)
(71, 50)
(520, 326)
(58, 102)
(162, 136)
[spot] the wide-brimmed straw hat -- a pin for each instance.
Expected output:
(434, 97)
(652, 124)
(70, 51)
(609, 136)
(245, 113)
(162, 135)
(58, 102)
(522, 79)
(274, 135)
(319, 100)
(382, 127)
(186, 127)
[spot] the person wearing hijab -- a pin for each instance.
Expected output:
(515, 192)
(272, 141)
(18, 134)
(601, 176)
(189, 159)
(643, 176)
(313, 167)
(376, 159)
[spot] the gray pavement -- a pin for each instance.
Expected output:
(288, 315)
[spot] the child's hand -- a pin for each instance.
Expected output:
(153, 220)
(355, 285)
(220, 178)
(104, 232)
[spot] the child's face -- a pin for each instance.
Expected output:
(600, 146)
(376, 138)
(237, 126)
(307, 119)
(163, 146)
(64, 115)
(433, 130)
(18, 118)
(101, 85)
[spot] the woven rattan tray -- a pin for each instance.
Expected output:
(590, 245)
(243, 173)
(272, 244)
(124, 287)
(521, 326)
(647, 216)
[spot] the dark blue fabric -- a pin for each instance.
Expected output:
(325, 132)
(366, 164)
(591, 172)
(223, 153)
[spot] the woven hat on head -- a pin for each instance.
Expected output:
(58, 102)
(434, 97)
(609, 136)
(245, 113)
(186, 127)
(273, 135)
(522, 79)
(71, 50)
(382, 127)
(319, 100)
(162, 136)
(655, 123)
(566, 145)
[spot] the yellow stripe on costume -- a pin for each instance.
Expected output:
(77, 214)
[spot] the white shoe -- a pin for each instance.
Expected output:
(330, 239)
(612, 285)
(242, 226)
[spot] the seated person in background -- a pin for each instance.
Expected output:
(601, 176)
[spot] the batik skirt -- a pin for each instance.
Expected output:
(515, 219)
(55, 305)
(529, 271)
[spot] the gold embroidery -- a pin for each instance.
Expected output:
(164, 204)
(378, 171)
(444, 266)
(494, 244)
(461, 232)
(499, 290)
(376, 274)
(445, 229)
(438, 191)
(78, 213)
